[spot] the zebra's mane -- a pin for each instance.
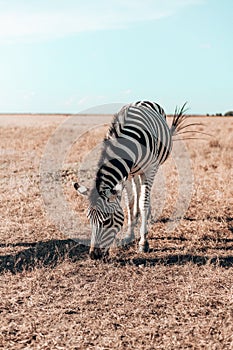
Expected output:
(94, 193)
(112, 133)
(116, 123)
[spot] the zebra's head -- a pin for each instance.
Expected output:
(106, 218)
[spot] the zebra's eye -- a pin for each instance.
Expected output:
(109, 195)
(112, 198)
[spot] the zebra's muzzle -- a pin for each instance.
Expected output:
(98, 253)
(95, 253)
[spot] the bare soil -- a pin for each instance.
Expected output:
(52, 296)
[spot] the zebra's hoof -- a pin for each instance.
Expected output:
(143, 248)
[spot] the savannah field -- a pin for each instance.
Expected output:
(52, 296)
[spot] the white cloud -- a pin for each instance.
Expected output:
(27, 96)
(60, 18)
(82, 101)
(79, 101)
(127, 92)
(76, 100)
(205, 46)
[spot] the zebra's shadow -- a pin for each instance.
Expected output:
(41, 254)
(178, 259)
(54, 252)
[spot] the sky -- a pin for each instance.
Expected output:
(67, 56)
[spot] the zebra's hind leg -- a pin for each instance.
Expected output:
(143, 243)
(145, 209)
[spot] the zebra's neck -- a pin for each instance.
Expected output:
(110, 175)
(114, 165)
(106, 184)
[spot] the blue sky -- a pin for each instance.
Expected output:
(69, 55)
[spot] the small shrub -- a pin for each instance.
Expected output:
(229, 114)
(214, 143)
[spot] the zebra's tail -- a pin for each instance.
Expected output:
(179, 118)
(179, 123)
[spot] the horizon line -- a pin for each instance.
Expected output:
(98, 114)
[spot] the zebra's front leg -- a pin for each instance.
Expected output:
(130, 205)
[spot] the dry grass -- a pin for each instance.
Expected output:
(178, 296)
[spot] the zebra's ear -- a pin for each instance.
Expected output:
(80, 189)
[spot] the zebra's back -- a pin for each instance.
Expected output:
(142, 127)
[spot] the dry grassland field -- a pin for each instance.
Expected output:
(53, 296)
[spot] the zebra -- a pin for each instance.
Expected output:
(138, 141)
